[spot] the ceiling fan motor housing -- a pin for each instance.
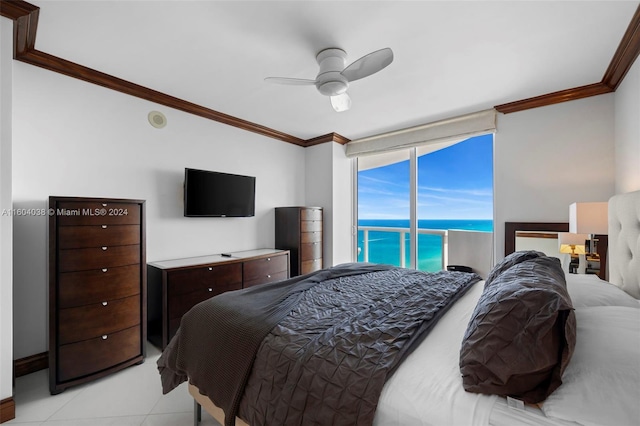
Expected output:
(329, 81)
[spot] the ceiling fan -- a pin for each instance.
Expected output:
(333, 78)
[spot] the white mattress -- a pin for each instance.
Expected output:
(427, 387)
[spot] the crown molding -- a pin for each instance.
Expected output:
(14, 9)
(72, 69)
(555, 98)
(329, 137)
(622, 61)
(625, 55)
(25, 17)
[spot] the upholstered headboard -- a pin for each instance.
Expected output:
(624, 242)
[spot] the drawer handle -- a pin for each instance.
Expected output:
(104, 226)
(268, 259)
(104, 248)
(105, 303)
(104, 337)
(104, 269)
(210, 289)
(211, 269)
(268, 276)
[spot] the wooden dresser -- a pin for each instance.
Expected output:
(97, 288)
(299, 230)
(176, 285)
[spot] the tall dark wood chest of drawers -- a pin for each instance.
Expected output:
(176, 285)
(299, 230)
(97, 288)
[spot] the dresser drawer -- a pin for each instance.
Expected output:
(263, 268)
(199, 278)
(86, 322)
(310, 225)
(90, 356)
(308, 266)
(96, 213)
(179, 305)
(310, 237)
(310, 251)
(98, 285)
(276, 276)
(98, 236)
(98, 257)
(310, 214)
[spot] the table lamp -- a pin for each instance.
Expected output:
(571, 244)
(589, 218)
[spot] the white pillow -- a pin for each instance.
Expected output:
(590, 290)
(601, 384)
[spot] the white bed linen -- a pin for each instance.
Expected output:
(601, 385)
(589, 290)
(426, 390)
(427, 387)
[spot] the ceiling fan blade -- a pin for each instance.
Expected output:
(341, 102)
(291, 81)
(368, 64)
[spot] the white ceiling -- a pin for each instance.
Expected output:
(450, 57)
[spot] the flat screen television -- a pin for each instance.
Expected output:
(215, 194)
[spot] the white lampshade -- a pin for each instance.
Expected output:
(341, 102)
(572, 243)
(588, 218)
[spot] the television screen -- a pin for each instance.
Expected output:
(215, 194)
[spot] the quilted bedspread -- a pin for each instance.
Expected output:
(327, 357)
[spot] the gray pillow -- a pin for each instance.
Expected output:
(522, 333)
(509, 261)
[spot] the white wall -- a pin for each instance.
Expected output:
(72, 138)
(6, 226)
(627, 132)
(328, 185)
(318, 189)
(470, 248)
(342, 206)
(547, 158)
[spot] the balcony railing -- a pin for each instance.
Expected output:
(402, 233)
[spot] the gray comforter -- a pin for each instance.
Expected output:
(321, 346)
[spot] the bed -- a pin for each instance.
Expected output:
(599, 370)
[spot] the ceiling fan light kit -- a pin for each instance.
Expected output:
(333, 78)
(341, 102)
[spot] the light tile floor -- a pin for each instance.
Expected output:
(131, 397)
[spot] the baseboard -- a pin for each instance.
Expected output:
(7, 410)
(31, 364)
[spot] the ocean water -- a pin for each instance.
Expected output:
(384, 247)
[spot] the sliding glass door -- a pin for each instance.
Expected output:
(453, 189)
(384, 208)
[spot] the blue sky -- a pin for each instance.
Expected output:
(453, 183)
